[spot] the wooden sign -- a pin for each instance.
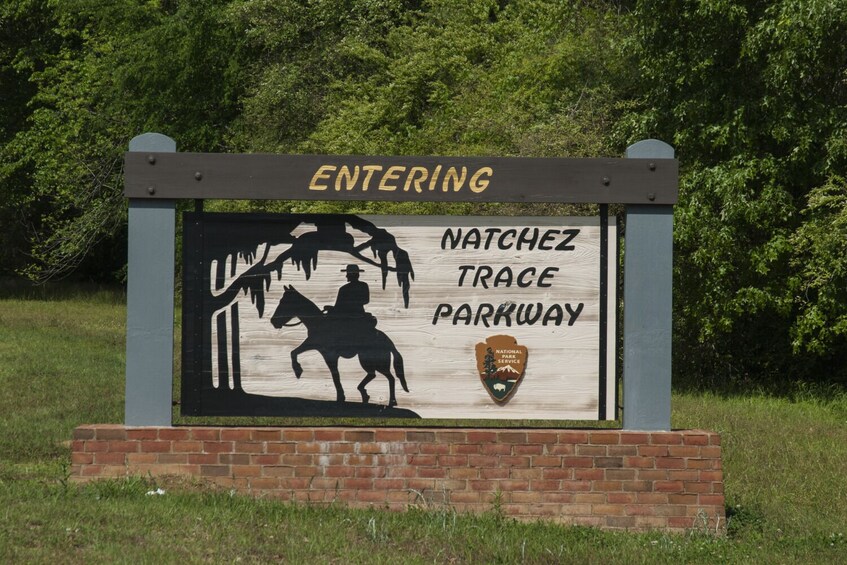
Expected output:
(416, 316)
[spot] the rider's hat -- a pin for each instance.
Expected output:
(352, 269)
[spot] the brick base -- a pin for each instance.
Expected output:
(607, 478)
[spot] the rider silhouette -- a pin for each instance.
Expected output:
(350, 302)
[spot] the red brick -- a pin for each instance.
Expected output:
(123, 446)
(281, 471)
(605, 438)
(608, 509)
(652, 498)
(496, 449)
(632, 438)
(622, 450)
(558, 473)
(423, 460)
(711, 475)
(680, 522)
(110, 432)
(685, 499)
(202, 458)
(282, 448)
(110, 458)
(214, 470)
(542, 437)
(141, 458)
(701, 463)
(171, 434)
(623, 522)
(96, 446)
(432, 472)
(236, 434)
(481, 436)
(78, 458)
(591, 450)
(156, 446)
(329, 435)
(419, 436)
(528, 497)
(493, 473)
(576, 486)
(696, 439)
(512, 437)
(435, 448)
(187, 446)
(687, 475)
(266, 435)
(465, 449)
(710, 452)
(453, 460)
(206, 434)
(264, 483)
(510, 485)
(669, 486)
(562, 449)
(589, 498)
(684, 451)
(309, 435)
(653, 450)
(637, 486)
(136, 434)
(509, 461)
(573, 437)
(665, 438)
(620, 497)
(670, 509)
(590, 474)
(714, 439)
(711, 500)
(234, 458)
(620, 474)
(608, 485)
(356, 483)
(577, 461)
(652, 474)
(670, 463)
(218, 446)
(246, 471)
(339, 471)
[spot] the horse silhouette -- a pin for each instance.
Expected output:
(329, 337)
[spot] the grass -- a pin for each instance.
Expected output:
(61, 364)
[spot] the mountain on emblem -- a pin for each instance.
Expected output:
(501, 362)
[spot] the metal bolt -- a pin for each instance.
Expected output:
(151, 159)
(606, 181)
(652, 166)
(151, 190)
(651, 196)
(198, 176)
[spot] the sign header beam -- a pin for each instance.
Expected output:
(414, 179)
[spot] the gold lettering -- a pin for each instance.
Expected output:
(411, 180)
(434, 177)
(393, 173)
(478, 185)
(322, 173)
(457, 180)
(348, 178)
(369, 171)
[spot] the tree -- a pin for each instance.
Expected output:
(302, 252)
(753, 96)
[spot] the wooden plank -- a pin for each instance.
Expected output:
(442, 179)
(543, 271)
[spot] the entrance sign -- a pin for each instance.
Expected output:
(502, 360)
(399, 316)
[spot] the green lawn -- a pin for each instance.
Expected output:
(61, 364)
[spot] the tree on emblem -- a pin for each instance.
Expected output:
(488, 363)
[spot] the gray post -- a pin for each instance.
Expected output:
(648, 279)
(150, 300)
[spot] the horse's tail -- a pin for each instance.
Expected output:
(398, 366)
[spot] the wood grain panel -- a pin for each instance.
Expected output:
(561, 377)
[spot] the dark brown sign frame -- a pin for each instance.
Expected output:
(438, 179)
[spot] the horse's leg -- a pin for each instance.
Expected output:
(384, 367)
(371, 375)
(298, 369)
(332, 363)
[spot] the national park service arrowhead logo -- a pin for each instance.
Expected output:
(500, 362)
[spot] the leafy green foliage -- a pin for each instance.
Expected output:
(754, 97)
